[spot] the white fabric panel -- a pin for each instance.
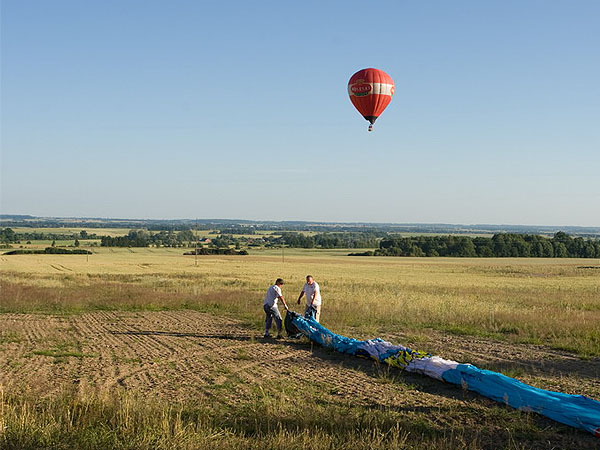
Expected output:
(433, 366)
(376, 348)
(376, 88)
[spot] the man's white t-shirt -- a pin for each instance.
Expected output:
(273, 293)
(308, 291)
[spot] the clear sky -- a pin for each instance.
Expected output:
(184, 109)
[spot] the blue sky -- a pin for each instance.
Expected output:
(154, 109)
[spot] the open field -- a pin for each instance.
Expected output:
(43, 243)
(232, 388)
(122, 231)
(168, 354)
(73, 230)
(553, 302)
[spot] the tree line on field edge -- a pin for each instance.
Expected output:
(561, 245)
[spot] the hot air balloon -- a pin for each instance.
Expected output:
(370, 92)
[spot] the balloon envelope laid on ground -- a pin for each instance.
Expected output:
(370, 92)
(574, 410)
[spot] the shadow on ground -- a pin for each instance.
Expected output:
(559, 437)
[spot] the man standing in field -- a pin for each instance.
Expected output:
(313, 298)
(271, 310)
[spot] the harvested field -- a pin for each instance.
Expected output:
(529, 300)
(187, 356)
(142, 349)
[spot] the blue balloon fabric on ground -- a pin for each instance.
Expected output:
(575, 410)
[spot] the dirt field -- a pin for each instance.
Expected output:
(187, 355)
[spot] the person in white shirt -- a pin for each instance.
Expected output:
(313, 298)
(271, 310)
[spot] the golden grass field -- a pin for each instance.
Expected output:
(553, 302)
(72, 230)
(536, 319)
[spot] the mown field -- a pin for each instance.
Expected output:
(72, 230)
(141, 348)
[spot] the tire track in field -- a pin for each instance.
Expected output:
(243, 368)
(189, 363)
(155, 350)
(186, 351)
(33, 327)
(166, 341)
(315, 368)
(109, 350)
(141, 353)
(19, 342)
(165, 350)
(40, 333)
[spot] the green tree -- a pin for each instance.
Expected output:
(7, 235)
(560, 250)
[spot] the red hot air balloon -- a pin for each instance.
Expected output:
(370, 92)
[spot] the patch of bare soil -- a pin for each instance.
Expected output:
(182, 355)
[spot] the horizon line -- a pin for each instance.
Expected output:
(312, 222)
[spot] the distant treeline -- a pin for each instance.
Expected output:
(8, 235)
(561, 245)
(153, 225)
(234, 230)
(216, 251)
(49, 251)
(143, 238)
(332, 240)
(249, 227)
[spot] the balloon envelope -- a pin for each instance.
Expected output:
(370, 92)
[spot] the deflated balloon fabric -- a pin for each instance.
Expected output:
(575, 410)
